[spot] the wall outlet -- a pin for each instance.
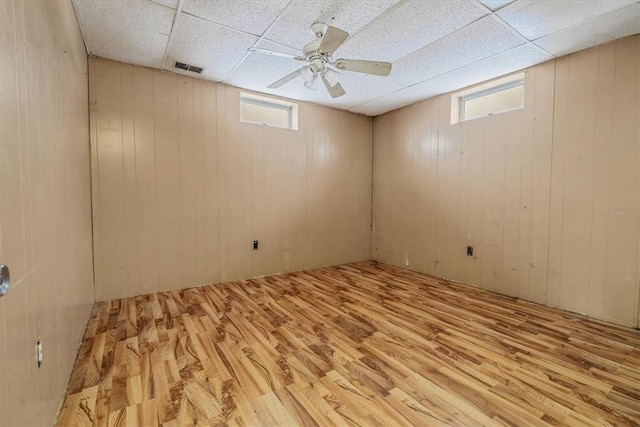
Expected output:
(39, 352)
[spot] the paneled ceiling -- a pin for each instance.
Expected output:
(435, 46)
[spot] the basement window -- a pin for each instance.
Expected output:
(261, 110)
(499, 96)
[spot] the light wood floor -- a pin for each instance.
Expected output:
(361, 344)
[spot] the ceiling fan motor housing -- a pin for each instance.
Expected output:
(312, 50)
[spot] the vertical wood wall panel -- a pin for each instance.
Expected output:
(492, 234)
(541, 178)
(549, 196)
(112, 243)
(186, 198)
(168, 203)
(578, 180)
(145, 166)
(187, 187)
(602, 180)
(512, 207)
(526, 184)
(558, 169)
(130, 206)
(624, 203)
(45, 205)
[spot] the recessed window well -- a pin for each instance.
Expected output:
(261, 110)
(498, 96)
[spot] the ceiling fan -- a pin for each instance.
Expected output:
(318, 53)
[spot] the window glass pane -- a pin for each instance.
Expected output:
(265, 115)
(494, 103)
(261, 110)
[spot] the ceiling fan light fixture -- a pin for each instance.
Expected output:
(331, 75)
(307, 74)
(312, 84)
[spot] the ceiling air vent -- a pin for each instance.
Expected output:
(187, 67)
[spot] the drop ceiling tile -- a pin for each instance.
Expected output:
(277, 47)
(361, 89)
(293, 27)
(613, 25)
(386, 103)
(499, 65)
(173, 4)
(456, 50)
(135, 31)
(495, 4)
(513, 60)
(538, 18)
(250, 16)
(205, 44)
(410, 26)
(258, 71)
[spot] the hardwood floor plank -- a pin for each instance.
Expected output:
(351, 345)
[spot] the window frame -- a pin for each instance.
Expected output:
(291, 108)
(481, 90)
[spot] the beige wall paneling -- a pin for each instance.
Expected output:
(390, 184)
(145, 183)
(384, 200)
(526, 184)
(558, 170)
(209, 215)
(12, 226)
(112, 237)
(548, 196)
(236, 161)
(472, 191)
(338, 186)
(624, 203)
(207, 185)
(296, 255)
(283, 226)
(493, 196)
(541, 160)
(186, 197)
(255, 143)
(12, 212)
(45, 205)
(222, 123)
(578, 180)
(129, 192)
(198, 159)
(451, 204)
(601, 180)
(95, 185)
(600, 203)
(512, 207)
(382, 218)
(168, 204)
(424, 178)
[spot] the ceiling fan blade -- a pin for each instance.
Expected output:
(276, 53)
(336, 90)
(285, 79)
(368, 67)
(332, 39)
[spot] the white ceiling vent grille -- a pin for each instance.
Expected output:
(188, 67)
